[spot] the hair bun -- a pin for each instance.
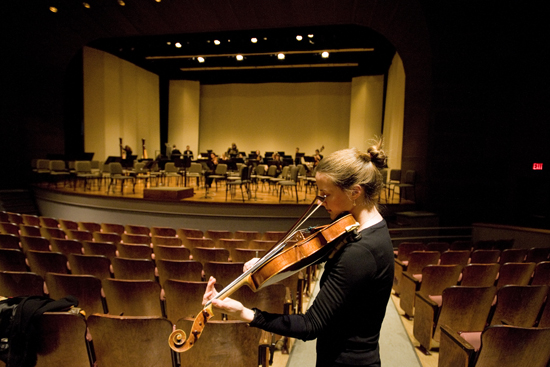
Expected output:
(377, 156)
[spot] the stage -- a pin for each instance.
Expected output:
(261, 211)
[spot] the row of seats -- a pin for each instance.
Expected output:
(64, 338)
(457, 297)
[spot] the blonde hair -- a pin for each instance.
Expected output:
(347, 168)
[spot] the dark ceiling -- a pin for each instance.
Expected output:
(353, 51)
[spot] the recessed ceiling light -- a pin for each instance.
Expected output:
(200, 59)
(121, 3)
(324, 55)
(178, 45)
(310, 35)
(299, 38)
(239, 57)
(86, 5)
(253, 40)
(281, 56)
(53, 9)
(217, 42)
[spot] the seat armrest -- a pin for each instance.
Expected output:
(454, 351)
(412, 278)
(425, 298)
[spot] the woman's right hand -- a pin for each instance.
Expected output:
(249, 264)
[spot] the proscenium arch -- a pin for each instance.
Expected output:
(402, 22)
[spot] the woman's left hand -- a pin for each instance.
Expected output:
(228, 306)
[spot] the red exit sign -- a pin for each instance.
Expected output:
(537, 166)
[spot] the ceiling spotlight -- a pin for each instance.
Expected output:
(200, 59)
(121, 3)
(178, 45)
(310, 35)
(53, 9)
(281, 56)
(168, 43)
(217, 42)
(86, 5)
(253, 40)
(239, 57)
(324, 55)
(299, 38)
(158, 1)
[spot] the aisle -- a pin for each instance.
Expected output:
(396, 348)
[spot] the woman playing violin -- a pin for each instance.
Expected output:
(347, 314)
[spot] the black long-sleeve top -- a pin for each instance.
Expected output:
(347, 314)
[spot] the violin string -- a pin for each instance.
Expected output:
(314, 206)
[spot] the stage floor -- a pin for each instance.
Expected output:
(259, 194)
(260, 211)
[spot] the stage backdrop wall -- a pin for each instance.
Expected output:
(121, 100)
(275, 117)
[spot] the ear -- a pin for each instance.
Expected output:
(356, 192)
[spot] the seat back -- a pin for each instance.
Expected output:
(163, 231)
(65, 246)
(538, 254)
(107, 249)
(139, 239)
(115, 168)
(452, 257)
(184, 299)
(147, 336)
(97, 265)
(246, 254)
(86, 288)
(436, 278)
(519, 305)
(111, 237)
(9, 241)
(210, 254)
(483, 256)
(112, 228)
(167, 241)
(61, 340)
(42, 262)
(12, 260)
(89, 226)
(406, 248)
(542, 274)
(136, 229)
(83, 167)
(225, 343)
(479, 275)
(187, 270)
(224, 272)
(515, 273)
(465, 308)
(515, 255)
(420, 259)
(511, 346)
(189, 232)
(163, 252)
(132, 297)
(80, 235)
(134, 269)
(21, 283)
(134, 251)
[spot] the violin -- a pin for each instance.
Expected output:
(284, 259)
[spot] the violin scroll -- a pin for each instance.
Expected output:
(178, 340)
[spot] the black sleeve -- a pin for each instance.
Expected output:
(344, 278)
